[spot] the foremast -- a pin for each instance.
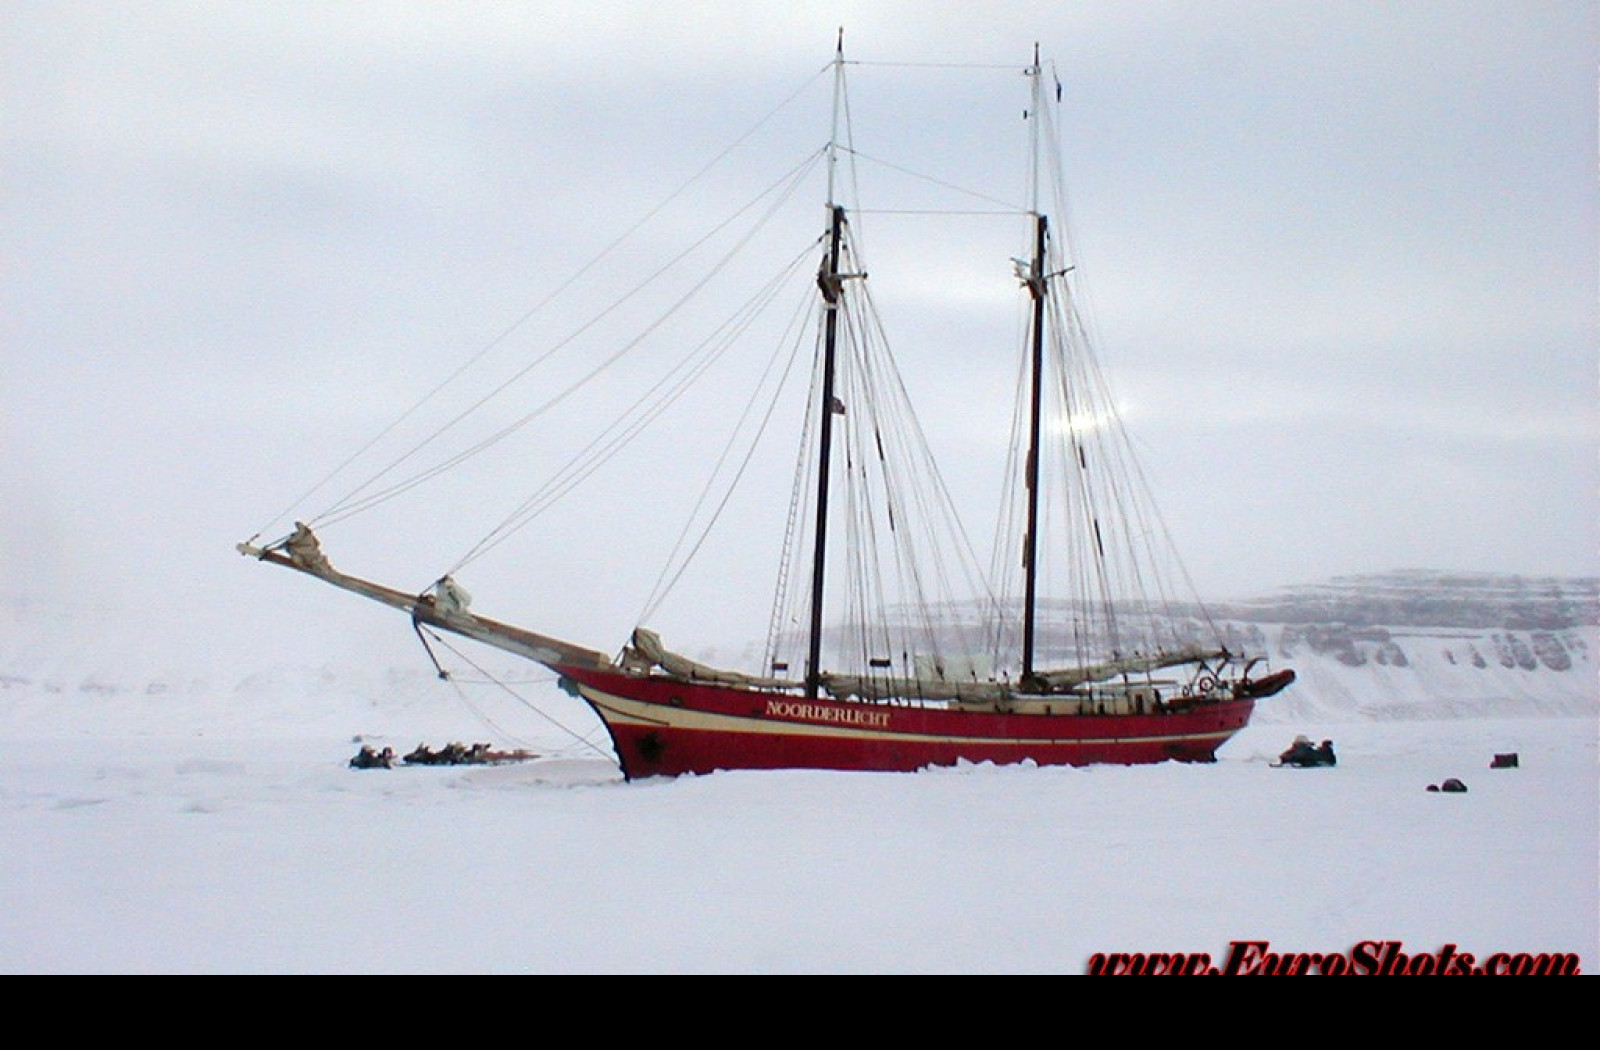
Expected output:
(830, 282)
(1038, 288)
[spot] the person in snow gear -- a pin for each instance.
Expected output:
(367, 758)
(1304, 754)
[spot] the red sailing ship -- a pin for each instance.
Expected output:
(1144, 683)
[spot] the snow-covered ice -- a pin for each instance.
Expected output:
(176, 834)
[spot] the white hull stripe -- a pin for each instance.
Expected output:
(627, 711)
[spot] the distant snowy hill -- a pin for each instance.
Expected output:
(1421, 598)
(1409, 645)
(1422, 644)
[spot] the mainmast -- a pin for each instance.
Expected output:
(1037, 287)
(830, 282)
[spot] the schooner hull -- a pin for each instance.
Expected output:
(663, 727)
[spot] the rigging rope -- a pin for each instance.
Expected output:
(1008, 67)
(664, 585)
(906, 544)
(1008, 206)
(579, 738)
(351, 506)
(528, 314)
(577, 469)
(794, 528)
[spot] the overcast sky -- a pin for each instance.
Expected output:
(1342, 260)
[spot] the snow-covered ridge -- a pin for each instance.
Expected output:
(1422, 644)
(1402, 645)
(1422, 598)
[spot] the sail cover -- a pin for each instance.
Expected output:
(1077, 676)
(647, 650)
(647, 646)
(870, 687)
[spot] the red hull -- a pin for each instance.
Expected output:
(664, 727)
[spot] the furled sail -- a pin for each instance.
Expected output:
(1067, 679)
(871, 687)
(646, 651)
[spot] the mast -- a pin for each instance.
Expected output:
(1036, 288)
(830, 282)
